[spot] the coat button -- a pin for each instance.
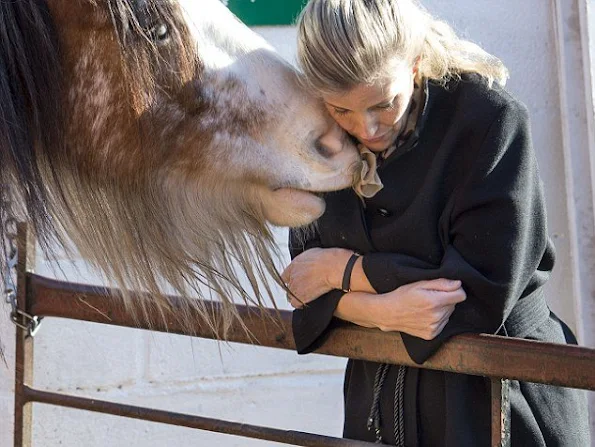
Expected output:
(384, 212)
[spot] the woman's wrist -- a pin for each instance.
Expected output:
(336, 267)
(363, 309)
(377, 310)
(386, 312)
(359, 280)
(333, 267)
(346, 281)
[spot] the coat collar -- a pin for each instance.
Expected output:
(414, 138)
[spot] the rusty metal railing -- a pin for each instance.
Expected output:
(497, 358)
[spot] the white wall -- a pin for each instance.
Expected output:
(261, 385)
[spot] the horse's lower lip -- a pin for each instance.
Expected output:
(296, 190)
(290, 207)
(298, 197)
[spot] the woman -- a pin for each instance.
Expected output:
(449, 221)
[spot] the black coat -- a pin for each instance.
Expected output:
(461, 200)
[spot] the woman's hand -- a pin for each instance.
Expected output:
(314, 273)
(421, 308)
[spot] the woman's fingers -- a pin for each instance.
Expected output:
(423, 308)
(434, 326)
(453, 297)
(441, 325)
(441, 284)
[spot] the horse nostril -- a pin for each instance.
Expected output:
(323, 150)
(331, 143)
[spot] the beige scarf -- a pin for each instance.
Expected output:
(369, 183)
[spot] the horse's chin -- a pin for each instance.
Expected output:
(290, 207)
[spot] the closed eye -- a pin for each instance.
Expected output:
(388, 105)
(339, 111)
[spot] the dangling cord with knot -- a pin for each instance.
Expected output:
(374, 418)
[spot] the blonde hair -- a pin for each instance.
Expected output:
(343, 43)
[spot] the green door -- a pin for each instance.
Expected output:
(266, 12)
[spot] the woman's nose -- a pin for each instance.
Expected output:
(366, 127)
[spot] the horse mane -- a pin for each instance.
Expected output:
(30, 94)
(132, 229)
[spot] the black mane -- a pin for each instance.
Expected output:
(30, 97)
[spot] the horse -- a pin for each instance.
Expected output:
(161, 140)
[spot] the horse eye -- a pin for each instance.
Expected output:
(159, 33)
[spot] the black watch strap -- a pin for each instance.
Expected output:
(346, 285)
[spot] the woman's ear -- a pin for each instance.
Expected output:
(416, 64)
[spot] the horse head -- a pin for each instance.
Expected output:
(162, 138)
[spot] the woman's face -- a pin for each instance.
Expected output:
(373, 113)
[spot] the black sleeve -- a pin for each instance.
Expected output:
(495, 237)
(311, 324)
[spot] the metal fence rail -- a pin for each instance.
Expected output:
(495, 357)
